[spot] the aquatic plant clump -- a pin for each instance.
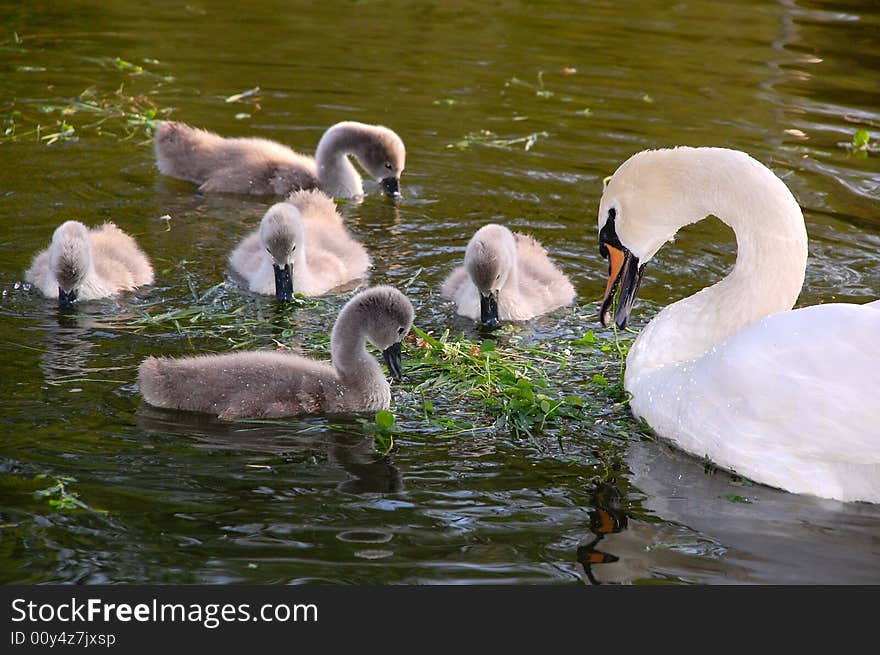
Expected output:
(515, 388)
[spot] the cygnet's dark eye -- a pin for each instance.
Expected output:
(400, 330)
(268, 251)
(388, 165)
(294, 248)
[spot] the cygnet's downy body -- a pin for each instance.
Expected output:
(261, 384)
(302, 246)
(84, 264)
(506, 277)
(262, 167)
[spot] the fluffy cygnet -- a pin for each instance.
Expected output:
(262, 167)
(272, 384)
(302, 246)
(506, 277)
(83, 264)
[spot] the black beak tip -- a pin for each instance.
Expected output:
(489, 309)
(66, 299)
(392, 356)
(283, 283)
(391, 187)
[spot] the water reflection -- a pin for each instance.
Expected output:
(371, 472)
(764, 535)
(607, 516)
(352, 452)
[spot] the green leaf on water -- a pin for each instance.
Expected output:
(589, 339)
(736, 498)
(384, 419)
(861, 138)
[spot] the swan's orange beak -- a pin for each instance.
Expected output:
(615, 265)
(624, 272)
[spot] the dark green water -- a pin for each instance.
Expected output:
(190, 499)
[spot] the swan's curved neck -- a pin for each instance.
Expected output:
(766, 279)
(337, 175)
(348, 349)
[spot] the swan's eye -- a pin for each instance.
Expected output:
(388, 165)
(294, 248)
(400, 330)
(268, 251)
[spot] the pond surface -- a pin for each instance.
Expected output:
(189, 499)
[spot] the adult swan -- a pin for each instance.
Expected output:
(788, 398)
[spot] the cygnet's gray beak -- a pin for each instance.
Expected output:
(66, 299)
(489, 308)
(283, 282)
(392, 358)
(391, 187)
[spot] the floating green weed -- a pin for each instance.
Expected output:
(210, 314)
(117, 114)
(244, 95)
(736, 498)
(861, 144)
(489, 139)
(538, 88)
(59, 495)
(383, 428)
(512, 388)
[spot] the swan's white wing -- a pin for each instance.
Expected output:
(792, 400)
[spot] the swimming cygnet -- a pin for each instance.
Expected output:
(506, 276)
(262, 167)
(301, 246)
(83, 264)
(271, 384)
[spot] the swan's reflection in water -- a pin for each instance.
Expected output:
(369, 471)
(700, 525)
(607, 516)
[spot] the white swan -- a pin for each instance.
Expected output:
(786, 398)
